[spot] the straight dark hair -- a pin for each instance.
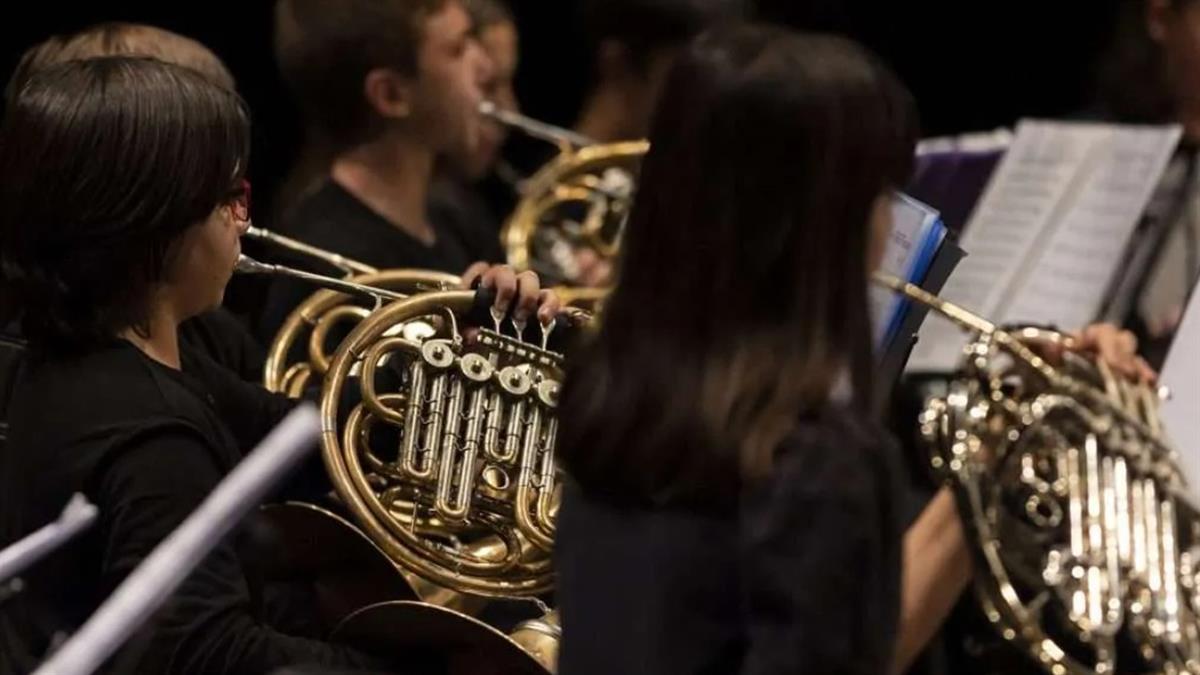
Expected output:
(742, 293)
(104, 164)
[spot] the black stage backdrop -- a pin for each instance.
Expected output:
(971, 65)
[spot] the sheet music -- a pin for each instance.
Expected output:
(1067, 283)
(1050, 229)
(1181, 412)
(913, 226)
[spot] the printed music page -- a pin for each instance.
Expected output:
(1049, 231)
(1066, 284)
(915, 237)
(1181, 412)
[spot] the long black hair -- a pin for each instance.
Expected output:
(742, 293)
(104, 163)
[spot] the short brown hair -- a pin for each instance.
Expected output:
(325, 49)
(121, 39)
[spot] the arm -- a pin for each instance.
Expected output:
(209, 625)
(936, 569)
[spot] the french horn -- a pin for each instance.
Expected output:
(445, 458)
(1085, 544)
(574, 206)
(451, 470)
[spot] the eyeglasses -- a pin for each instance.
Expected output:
(239, 202)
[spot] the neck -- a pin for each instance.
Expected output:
(605, 116)
(162, 343)
(391, 176)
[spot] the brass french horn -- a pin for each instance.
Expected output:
(464, 489)
(575, 204)
(303, 347)
(1085, 545)
(445, 463)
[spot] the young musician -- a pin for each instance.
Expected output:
(218, 333)
(102, 261)
(734, 505)
(386, 88)
(1152, 76)
(735, 500)
(468, 197)
(633, 44)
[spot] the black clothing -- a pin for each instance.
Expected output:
(146, 444)
(226, 340)
(333, 219)
(468, 217)
(803, 578)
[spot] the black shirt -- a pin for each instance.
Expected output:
(146, 444)
(467, 216)
(226, 340)
(803, 577)
(333, 219)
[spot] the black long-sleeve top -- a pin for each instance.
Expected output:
(146, 444)
(803, 576)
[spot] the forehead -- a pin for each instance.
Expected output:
(451, 22)
(500, 42)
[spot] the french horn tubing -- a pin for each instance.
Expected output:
(303, 347)
(349, 266)
(564, 138)
(451, 472)
(576, 203)
(1072, 498)
(446, 463)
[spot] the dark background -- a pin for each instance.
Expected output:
(972, 65)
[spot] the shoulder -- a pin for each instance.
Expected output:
(839, 455)
(111, 388)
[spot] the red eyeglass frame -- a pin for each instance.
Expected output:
(240, 202)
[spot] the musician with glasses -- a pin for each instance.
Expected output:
(218, 333)
(102, 260)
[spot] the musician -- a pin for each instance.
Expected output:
(102, 261)
(387, 88)
(633, 43)
(733, 504)
(1152, 75)
(218, 333)
(468, 195)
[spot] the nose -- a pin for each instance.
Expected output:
(483, 68)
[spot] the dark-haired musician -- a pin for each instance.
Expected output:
(102, 261)
(633, 43)
(470, 197)
(385, 88)
(218, 333)
(735, 506)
